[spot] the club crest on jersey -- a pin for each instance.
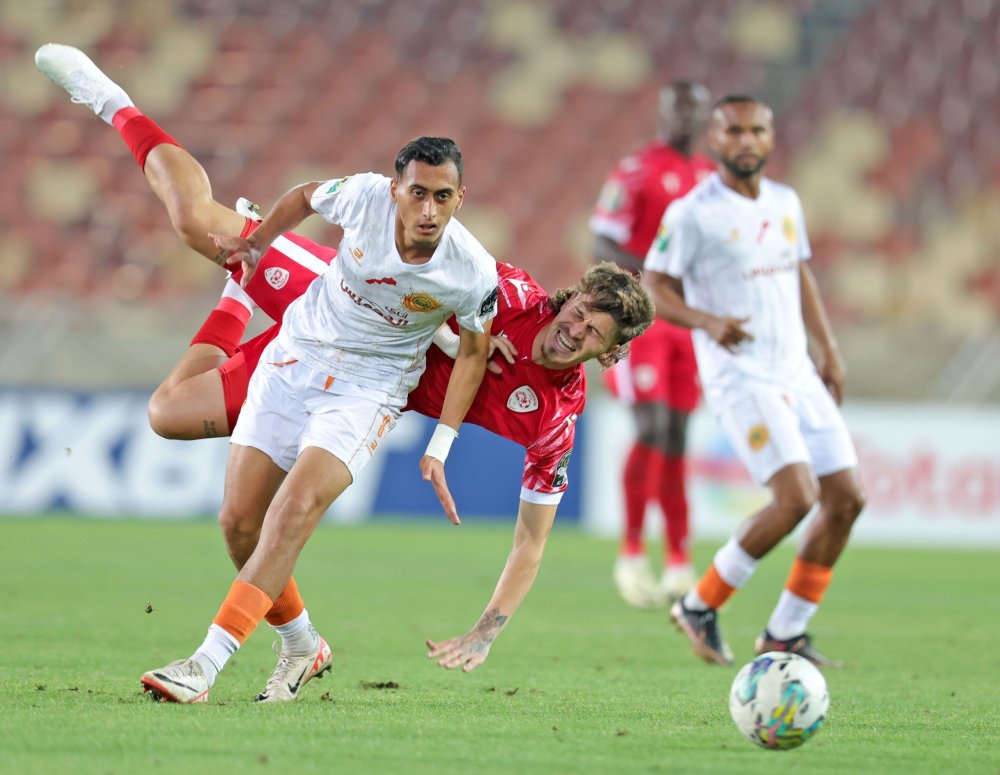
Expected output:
(612, 196)
(789, 230)
(276, 277)
(421, 302)
(337, 185)
(522, 400)
(559, 480)
(758, 437)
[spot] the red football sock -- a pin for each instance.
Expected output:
(140, 133)
(673, 501)
(641, 470)
(224, 326)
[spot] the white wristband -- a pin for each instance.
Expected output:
(447, 340)
(440, 442)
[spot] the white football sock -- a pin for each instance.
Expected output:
(791, 616)
(236, 293)
(215, 651)
(298, 637)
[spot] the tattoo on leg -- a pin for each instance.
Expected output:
(210, 430)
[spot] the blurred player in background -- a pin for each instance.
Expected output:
(659, 381)
(542, 390)
(331, 385)
(730, 263)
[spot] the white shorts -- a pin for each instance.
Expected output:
(772, 425)
(291, 406)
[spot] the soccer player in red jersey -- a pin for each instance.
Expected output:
(544, 341)
(659, 381)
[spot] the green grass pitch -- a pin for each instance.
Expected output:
(578, 683)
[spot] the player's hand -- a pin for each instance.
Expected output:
(500, 344)
(833, 372)
(432, 471)
(729, 332)
(466, 651)
(238, 250)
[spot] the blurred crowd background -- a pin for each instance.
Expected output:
(887, 115)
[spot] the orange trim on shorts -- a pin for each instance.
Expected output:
(326, 385)
(809, 580)
(284, 363)
(287, 606)
(242, 610)
(712, 589)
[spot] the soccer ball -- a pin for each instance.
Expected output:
(779, 700)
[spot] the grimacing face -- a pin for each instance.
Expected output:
(742, 137)
(576, 335)
(427, 197)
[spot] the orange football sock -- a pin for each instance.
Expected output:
(287, 606)
(809, 580)
(242, 610)
(712, 589)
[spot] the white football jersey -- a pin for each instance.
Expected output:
(739, 258)
(370, 319)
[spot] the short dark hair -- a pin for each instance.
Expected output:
(735, 99)
(429, 150)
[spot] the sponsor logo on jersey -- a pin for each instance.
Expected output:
(392, 316)
(489, 303)
(758, 437)
(337, 185)
(560, 479)
(358, 253)
(381, 281)
(421, 302)
(276, 277)
(522, 400)
(788, 227)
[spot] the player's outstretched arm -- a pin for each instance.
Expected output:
(466, 376)
(534, 521)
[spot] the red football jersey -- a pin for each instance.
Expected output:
(285, 271)
(529, 404)
(638, 190)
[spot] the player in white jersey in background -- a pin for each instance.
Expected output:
(730, 262)
(329, 390)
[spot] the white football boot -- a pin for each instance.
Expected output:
(676, 581)
(182, 681)
(74, 71)
(293, 672)
(636, 583)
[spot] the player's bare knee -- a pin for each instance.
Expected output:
(160, 414)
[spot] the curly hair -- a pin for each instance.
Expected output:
(618, 293)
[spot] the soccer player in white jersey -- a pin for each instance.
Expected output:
(330, 389)
(730, 262)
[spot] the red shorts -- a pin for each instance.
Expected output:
(236, 372)
(660, 368)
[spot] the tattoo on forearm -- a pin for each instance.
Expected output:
(490, 624)
(220, 257)
(210, 430)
